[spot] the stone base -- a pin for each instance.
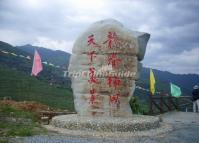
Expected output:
(109, 128)
(138, 125)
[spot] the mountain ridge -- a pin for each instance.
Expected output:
(58, 57)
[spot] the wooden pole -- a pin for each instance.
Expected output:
(161, 103)
(151, 103)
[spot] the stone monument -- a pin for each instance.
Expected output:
(104, 66)
(108, 57)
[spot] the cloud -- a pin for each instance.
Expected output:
(185, 62)
(54, 44)
(173, 26)
(14, 37)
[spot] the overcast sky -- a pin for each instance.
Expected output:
(55, 24)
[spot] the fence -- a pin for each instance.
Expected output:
(164, 103)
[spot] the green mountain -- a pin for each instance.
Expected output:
(50, 87)
(57, 57)
(19, 59)
(163, 79)
(20, 87)
(185, 81)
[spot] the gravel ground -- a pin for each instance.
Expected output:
(186, 130)
(182, 133)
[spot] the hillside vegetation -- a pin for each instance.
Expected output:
(53, 89)
(19, 86)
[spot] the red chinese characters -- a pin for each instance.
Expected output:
(93, 96)
(91, 55)
(112, 39)
(114, 99)
(91, 41)
(92, 75)
(92, 80)
(113, 60)
(113, 81)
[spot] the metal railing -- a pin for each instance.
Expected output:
(165, 103)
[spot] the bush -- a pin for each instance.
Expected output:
(136, 106)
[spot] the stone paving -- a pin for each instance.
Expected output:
(185, 130)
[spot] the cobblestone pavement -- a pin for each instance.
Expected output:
(186, 130)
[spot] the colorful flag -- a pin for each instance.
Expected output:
(37, 65)
(175, 90)
(152, 82)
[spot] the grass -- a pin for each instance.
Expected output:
(20, 87)
(15, 129)
(17, 113)
(16, 122)
(4, 142)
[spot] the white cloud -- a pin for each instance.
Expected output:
(55, 24)
(153, 48)
(13, 37)
(184, 62)
(54, 44)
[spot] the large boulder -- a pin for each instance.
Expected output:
(106, 62)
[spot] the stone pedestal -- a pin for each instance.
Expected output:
(104, 66)
(108, 127)
(106, 124)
